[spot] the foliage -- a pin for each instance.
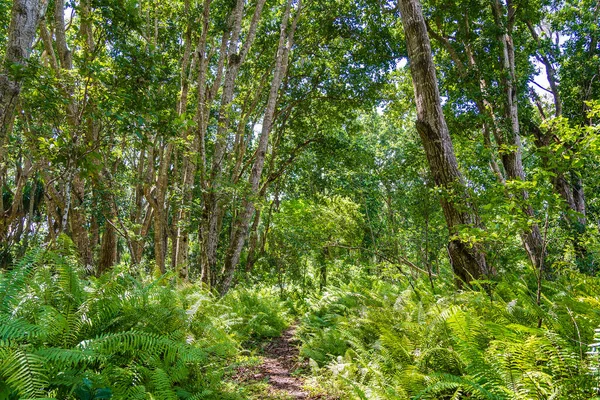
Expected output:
(160, 150)
(259, 314)
(375, 340)
(119, 336)
(306, 233)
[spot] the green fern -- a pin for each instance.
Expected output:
(65, 337)
(406, 342)
(22, 371)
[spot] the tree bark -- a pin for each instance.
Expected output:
(25, 17)
(509, 138)
(212, 203)
(180, 219)
(108, 249)
(253, 241)
(157, 199)
(468, 261)
(235, 60)
(569, 187)
(505, 128)
(286, 40)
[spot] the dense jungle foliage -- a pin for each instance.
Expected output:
(406, 188)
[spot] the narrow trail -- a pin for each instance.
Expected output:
(280, 360)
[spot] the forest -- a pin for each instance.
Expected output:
(299, 199)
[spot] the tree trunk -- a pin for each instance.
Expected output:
(189, 154)
(286, 40)
(223, 120)
(253, 242)
(25, 17)
(78, 221)
(569, 189)
(509, 138)
(325, 252)
(468, 262)
(108, 250)
(161, 209)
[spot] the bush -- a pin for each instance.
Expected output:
(259, 314)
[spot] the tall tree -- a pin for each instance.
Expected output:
(240, 229)
(468, 261)
(508, 136)
(25, 18)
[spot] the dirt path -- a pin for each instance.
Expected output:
(280, 360)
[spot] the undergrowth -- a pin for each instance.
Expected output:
(121, 336)
(64, 335)
(375, 340)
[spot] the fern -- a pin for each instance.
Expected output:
(400, 341)
(594, 359)
(13, 282)
(115, 335)
(22, 371)
(457, 387)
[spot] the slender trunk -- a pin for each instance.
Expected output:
(202, 115)
(212, 203)
(78, 221)
(137, 216)
(550, 71)
(509, 138)
(159, 240)
(569, 187)
(326, 255)
(286, 40)
(253, 241)
(108, 249)
(138, 243)
(75, 218)
(467, 261)
(66, 60)
(180, 219)
(235, 60)
(25, 18)
(160, 209)
(30, 217)
(14, 211)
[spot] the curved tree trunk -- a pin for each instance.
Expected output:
(468, 262)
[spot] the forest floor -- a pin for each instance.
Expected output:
(278, 371)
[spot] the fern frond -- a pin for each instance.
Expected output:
(13, 282)
(23, 372)
(17, 328)
(451, 383)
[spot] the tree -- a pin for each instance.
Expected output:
(468, 261)
(25, 17)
